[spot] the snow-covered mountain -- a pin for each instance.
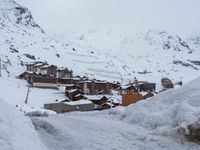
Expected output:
(110, 55)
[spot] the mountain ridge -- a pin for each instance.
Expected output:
(108, 55)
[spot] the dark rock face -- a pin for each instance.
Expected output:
(195, 62)
(169, 41)
(30, 56)
(13, 13)
(23, 16)
(167, 83)
(194, 132)
(178, 62)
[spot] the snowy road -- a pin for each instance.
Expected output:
(100, 132)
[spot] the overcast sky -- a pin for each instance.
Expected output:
(61, 16)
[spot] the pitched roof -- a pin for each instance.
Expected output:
(46, 66)
(95, 97)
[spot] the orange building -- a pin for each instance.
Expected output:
(128, 99)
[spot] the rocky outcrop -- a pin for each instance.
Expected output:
(12, 12)
(178, 62)
(167, 83)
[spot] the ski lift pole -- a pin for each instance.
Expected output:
(26, 101)
(0, 67)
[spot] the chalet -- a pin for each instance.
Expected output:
(96, 87)
(144, 86)
(127, 89)
(115, 101)
(72, 86)
(35, 66)
(64, 73)
(49, 70)
(25, 75)
(106, 106)
(98, 100)
(43, 82)
(74, 94)
(39, 80)
(81, 105)
(69, 80)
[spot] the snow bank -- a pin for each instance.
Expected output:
(17, 131)
(39, 113)
(35, 111)
(173, 110)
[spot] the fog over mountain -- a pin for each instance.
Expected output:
(61, 16)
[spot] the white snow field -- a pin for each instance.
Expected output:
(157, 123)
(17, 131)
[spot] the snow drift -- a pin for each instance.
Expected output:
(170, 112)
(17, 131)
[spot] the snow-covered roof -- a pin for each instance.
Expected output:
(61, 68)
(39, 64)
(73, 90)
(80, 102)
(87, 81)
(69, 85)
(46, 66)
(78, 95)
(110, 104)
(143, 93)
(95, 97)
(126, 86)
(95, 81)
(72, 78)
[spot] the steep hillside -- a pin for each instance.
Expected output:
(111, 55)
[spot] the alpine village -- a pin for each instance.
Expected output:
(84, 94)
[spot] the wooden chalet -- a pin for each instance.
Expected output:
(96, 87)
(143, 86)
(32, 77)
(106, 106)
(97, 99)
(64, 73)
(127, 89)
(72, 86)
(74, 94)
(35, 66)
(49, 70)
(69, 80)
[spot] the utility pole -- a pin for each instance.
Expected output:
(0, 67)
(26, 101)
